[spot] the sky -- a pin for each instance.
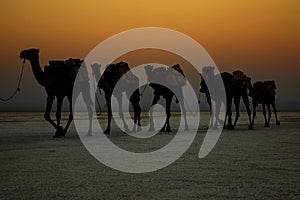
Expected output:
(258, 37)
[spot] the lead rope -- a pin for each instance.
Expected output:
(18, 86)
(143, 90)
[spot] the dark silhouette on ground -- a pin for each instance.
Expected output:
(264, 93)
(112, 74)
(58, 80)
(173, 79)
(236, 86)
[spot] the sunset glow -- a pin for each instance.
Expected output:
(258, 37)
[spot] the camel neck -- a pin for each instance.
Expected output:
(37, 71)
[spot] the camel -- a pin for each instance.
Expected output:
(108, 81)
(242, 86)
(58, 81)
(235, 88)
(209, 77)
(166, 93)
(264, 93)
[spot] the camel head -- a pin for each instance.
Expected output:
(30, 54)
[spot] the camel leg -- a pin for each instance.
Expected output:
(47, 114)
(119, 98)
(155, 100)
(89, 105)
(186, 127)
(229, 114)
(167, 127)
(269, 113)
(247, 105)
(180, 100)
(237, 110)
(138, 111)
(70, 116)
(59, 131)
(210, 110)
(275, 112)
(211, 119)
(134, 122)
(137, 116)
(217, 114)
(253, 115)
(265, 115)
(109, 112)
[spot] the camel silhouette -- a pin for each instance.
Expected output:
(58, 80)
(176, 81)
(236, 86)
(209, 77)
(264, 93)
(112, 74)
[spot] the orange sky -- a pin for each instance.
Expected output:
(255, 36)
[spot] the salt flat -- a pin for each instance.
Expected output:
(255, 164)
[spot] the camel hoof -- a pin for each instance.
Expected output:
(63, 133)
(139, 129)
(151, 129)
(230, 127)
(132, 131)
(168, 130)
(56, 135)
(89, 134)
(59, 132)
(277, 122)
(220, 121)
(59, 129)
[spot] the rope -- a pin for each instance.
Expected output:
(143, 90)
(18, 86)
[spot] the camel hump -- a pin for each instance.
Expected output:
(54, 66)
(238, 75)
(56, 63)
(66, 68)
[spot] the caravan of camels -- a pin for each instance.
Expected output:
(58, 80)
